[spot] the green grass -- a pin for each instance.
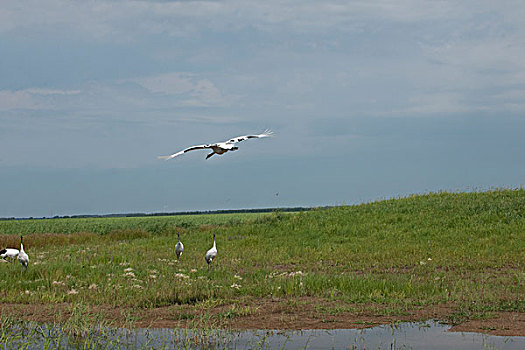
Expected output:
(464, 249)
(152, 224)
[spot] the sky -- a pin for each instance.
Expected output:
(367, 99)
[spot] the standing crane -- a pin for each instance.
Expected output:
(212, 253)
(179, 247)
(22, 256)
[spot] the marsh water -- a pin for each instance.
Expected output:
(426, 335)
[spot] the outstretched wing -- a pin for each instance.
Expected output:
(266, 133)
(184, 151)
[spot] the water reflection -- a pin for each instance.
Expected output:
(426, 335)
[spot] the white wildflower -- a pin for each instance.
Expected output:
(296, 273)
(193, 270)
(137, 286)
(129, 269)
(72, 291)
(236, 286)
(181, 275)
(286, 274)
(238, 277)
(58, 283)
(129, 274)
(93, 286)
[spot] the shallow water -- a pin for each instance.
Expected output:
(426, 335)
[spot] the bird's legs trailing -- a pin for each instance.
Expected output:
(209, 155)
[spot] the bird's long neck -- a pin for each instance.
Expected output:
(21, 246)
(178, 235)
(214, 243)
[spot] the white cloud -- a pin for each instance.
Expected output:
(10, 100)
(45, 92)
(151, 99)
(193, 90)
(511, 100)
(490, 60)
(169, 83)
(32, 98)
(435, 103)
(441, 53)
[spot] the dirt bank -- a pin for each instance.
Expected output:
(272, 314)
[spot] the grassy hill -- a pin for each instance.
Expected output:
(463, 250)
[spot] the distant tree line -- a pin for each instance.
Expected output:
(196, 212)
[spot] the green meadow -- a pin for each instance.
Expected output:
(464, 250)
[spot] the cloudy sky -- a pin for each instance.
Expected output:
(368, 100)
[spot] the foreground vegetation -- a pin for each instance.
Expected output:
(459, 249)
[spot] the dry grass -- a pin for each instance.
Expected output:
(41, 240)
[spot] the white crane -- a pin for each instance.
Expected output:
(220, 147)
(22, 256)
(179, 247)
(9, 253)
(212, 253)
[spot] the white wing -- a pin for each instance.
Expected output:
(23, 258)
(266, 133)
(210, 254)
(184, 151)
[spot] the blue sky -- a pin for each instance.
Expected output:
(368, 100)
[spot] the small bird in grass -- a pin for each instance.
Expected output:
(9, 253)
(220, 147)
(212, 253)
(179, 247)
(22, 256)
